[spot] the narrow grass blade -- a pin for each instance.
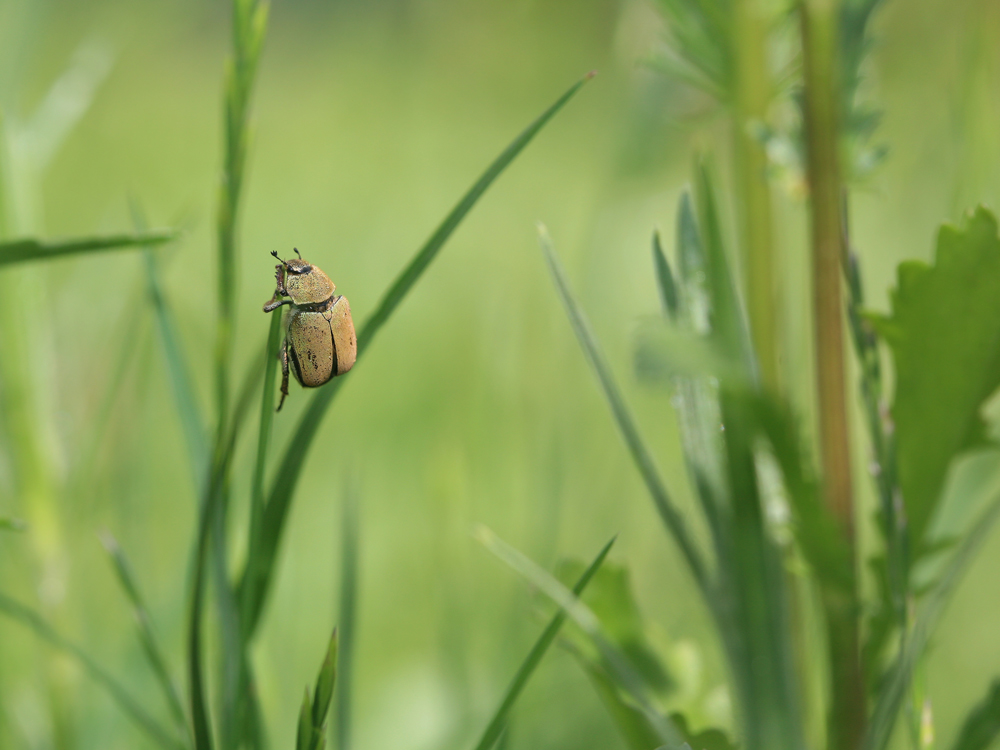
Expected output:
(180, 378)
(310, 734)
(499, 721)
(150, 645)
(22, 251)
(121, 694)
(283, 488)
(982, 726)
(672, 518)
(348, 617)
(891, 697)
(665, 280)
(630, 682)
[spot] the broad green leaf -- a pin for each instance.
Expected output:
(672, 518)
(498, 723)
(943, 330)
(150, 644)
(22, 251)
(122, 695)
(982, 726)
(283, 488)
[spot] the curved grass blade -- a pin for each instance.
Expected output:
(671, 517)
(121, 695)
(283, 488)
(665, 280)
(499, 721)
(150, 646)
(22, 251)
(625, 676)
(898, 681)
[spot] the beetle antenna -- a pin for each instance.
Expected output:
(275, 254)
(296, 250)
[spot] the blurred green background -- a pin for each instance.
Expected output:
(370, 120)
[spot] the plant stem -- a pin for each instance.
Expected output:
(750, 103)
(820, 20)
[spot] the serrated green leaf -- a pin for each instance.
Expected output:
(982, 726)
(943, 331)
(22, 251)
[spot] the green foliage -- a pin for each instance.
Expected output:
(941, 331)
(22, 251)
(287, 476)
(312, 719)
(982, 726)
(498, 723)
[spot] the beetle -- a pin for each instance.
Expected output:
(319, 333)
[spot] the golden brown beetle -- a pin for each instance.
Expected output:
(319, 332)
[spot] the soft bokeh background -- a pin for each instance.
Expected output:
(475, 405)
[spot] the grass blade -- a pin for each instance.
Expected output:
(150, 646)
(665, 280)
(22, 251)
(499, 721)
(622, 671)
(325, 682)
(672, 518)
(283, 488)
(883, 717)
(121, 694)
(348, 617)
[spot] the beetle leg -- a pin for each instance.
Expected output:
(284, 373)
(274, 303)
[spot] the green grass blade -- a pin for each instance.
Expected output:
(348, 617)
(891, 697)
(150, 645)
(177, 368)
(672, 518)
(325, 682)
(22, 251)
(665, 279)
(499, 721)
(283, 488)
(625, 676)
(121, 694)
(982, 726)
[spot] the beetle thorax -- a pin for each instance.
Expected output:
(311, 288)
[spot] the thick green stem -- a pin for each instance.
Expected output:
(820, 19)
(751, 98)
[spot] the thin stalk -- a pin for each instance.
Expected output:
(751, 98)
(819, 20)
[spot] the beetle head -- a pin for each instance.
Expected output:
(294, 265)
